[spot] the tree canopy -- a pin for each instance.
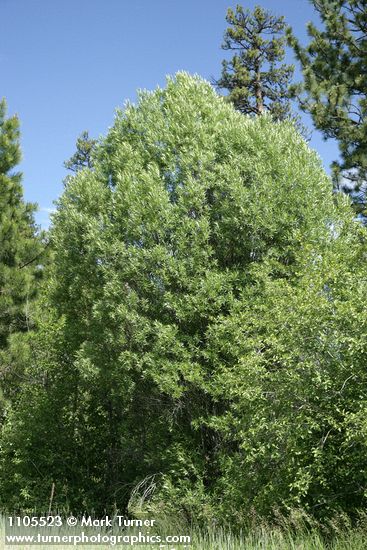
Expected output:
(202, 330)
(82, 158)
(20, 248)
(256, 77)
(335, 87)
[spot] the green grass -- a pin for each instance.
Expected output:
(288, 537)
(276, 539)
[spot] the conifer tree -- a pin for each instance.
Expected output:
(82, 157)
(20, 247)
(256, 78)
(335, 87)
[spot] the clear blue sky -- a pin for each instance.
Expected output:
(65, 66)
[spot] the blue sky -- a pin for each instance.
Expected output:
(66, 65)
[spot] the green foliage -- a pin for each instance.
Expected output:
(335, 87)
(202, 331)
(20, 249)
(298, 531)
(255, 77)
(83, 157)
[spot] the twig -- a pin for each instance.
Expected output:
(51, 498)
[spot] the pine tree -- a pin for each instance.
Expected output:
(20, 247)
(82, 158)
(335, 87)
(256, 77)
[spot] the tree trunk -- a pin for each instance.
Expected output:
(258, 90)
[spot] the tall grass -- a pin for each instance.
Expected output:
(288, 536)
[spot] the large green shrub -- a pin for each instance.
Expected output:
(205, 324)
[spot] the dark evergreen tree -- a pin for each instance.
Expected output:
(82, 158)
(20, 249)
(256, 78)
(334, 68)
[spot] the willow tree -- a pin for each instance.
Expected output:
(199, 336)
